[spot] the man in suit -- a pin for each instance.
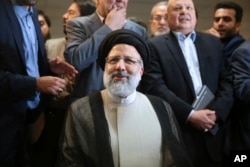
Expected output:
(239, 132)
(25, 84)
(182, 62)
(226, 26)
(84, 35)
(45, 150)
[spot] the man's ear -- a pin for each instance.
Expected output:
(96, 2)
(237, 27)
(142, 71)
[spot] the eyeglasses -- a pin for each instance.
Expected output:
(159, 18)
(128, 60)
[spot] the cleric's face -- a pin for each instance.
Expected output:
(123, 70)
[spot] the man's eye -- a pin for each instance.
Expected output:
(217, 19)
(42, 23)
(189, 8)
(177, 8)
(114, 60)
(227, 19)
(71, 12)
(129, 61)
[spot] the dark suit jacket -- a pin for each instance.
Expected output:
(16, 87)
(241, 112)
(229, 47)
(84, 36)
(169, 78)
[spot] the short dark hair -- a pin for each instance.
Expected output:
(86, 7)
(231, 5)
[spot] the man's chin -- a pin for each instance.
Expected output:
(33, 2)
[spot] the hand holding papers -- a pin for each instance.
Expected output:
(204, 97)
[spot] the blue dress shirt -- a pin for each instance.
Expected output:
(30, 46)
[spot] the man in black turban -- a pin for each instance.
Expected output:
(119, 126)
(123, 36)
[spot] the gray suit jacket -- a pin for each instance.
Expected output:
(84, 36)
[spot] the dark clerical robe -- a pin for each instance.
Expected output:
(86, 136)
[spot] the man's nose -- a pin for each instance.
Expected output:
(163, 20)
(120, 64)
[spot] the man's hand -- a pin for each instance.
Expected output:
(116, 18)
(61, 67)
(214, 32)
(203, 119)
(50, 85)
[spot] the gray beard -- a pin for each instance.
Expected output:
(121, 88)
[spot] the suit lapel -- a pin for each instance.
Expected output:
(95, 23)
(177, 54)
(15, 28)
(38, 32)
(201, 57)
(42, 58)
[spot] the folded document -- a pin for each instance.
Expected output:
(204, 97)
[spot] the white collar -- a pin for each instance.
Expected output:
(100, 17)
(127, 100)
(182, 37)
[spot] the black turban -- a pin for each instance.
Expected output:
(123, 36)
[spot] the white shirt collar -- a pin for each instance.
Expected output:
(100, 17)
(127, 100)
(182, 37)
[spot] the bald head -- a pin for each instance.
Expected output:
(181, 16)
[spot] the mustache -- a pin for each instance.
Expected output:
(119, 74)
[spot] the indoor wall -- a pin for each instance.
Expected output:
(141, 9)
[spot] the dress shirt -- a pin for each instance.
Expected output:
(30, 46)
(189, 51)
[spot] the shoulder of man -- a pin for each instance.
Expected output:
(83, 19)
(136, 27)
(207, 36)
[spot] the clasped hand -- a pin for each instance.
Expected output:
(203, 119)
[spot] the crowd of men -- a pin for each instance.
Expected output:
(114, 93)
